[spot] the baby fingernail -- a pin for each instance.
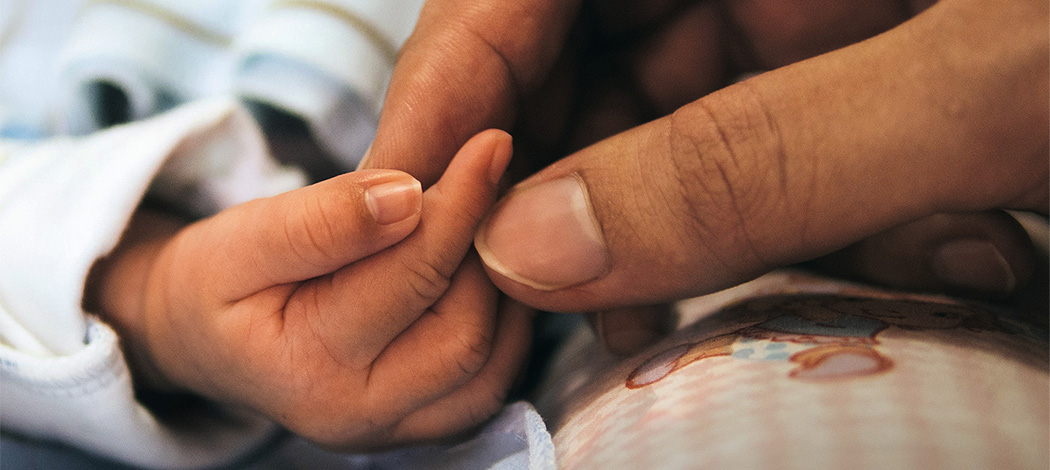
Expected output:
(394, 201)
(974, 264)
(545, 236)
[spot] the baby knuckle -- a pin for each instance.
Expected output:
(470, 351)
(426, 281)
(312, 233)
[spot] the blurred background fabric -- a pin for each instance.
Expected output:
(316, 67)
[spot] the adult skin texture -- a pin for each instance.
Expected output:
(888, 134)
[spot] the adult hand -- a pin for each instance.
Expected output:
(942, 114)
(328, 308)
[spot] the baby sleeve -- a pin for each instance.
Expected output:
(63, 204)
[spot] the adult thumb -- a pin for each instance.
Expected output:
(945, 113)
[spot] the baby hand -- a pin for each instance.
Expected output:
(336, 309)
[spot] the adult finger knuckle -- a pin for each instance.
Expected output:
(727, 158)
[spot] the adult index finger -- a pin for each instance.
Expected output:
(462, 71)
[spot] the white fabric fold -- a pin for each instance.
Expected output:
(108, 61)
(30, 37)
(516, 439)
(327, 61)
(157, 52)
(63, 204)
